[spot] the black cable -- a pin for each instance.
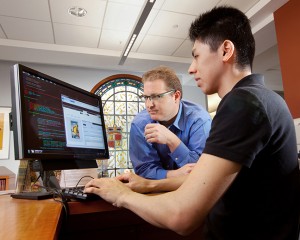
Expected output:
(82, 178)
(37, 179)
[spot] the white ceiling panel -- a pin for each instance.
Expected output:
(158, 4)
(193, 7)
(94, 17)
(185, 50)
(152, 15)
(26, 9)
(170, 24)
(150, 19)
(159, 45)
(242, 5)
(129, 2)
(76, 35)
(27, 30)
(113, 40)
(43, 31)
(120, 16)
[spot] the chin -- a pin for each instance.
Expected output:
(155, 117)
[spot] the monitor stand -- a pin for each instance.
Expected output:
(32, 195)
(49, 181)
(45, 168)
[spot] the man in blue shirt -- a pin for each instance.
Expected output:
(167, 138)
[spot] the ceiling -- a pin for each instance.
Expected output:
(42, 31)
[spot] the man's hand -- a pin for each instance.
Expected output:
(184, 170)
(158, 133)
(135, 182)
(110, 189)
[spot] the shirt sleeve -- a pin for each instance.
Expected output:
(143, 155)
(190, 152)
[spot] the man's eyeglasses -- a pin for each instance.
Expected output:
(156, 97)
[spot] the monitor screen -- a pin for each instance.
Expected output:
(56, 122)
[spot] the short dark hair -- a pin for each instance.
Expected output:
(166, 74)
(226, 23)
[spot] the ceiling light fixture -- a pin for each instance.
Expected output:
(133, 36)
(77, 11)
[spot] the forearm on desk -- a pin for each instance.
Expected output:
(165, 185)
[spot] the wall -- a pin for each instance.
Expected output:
(80, 77)
(287, 20)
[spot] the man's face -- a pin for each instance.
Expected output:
(163, 108)
(206, 67)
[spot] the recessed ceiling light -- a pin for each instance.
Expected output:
(77, 11)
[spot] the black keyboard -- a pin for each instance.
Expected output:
(78, 194)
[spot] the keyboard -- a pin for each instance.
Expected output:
(77, 193)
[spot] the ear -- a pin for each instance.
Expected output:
(228, 50)
(177, 95)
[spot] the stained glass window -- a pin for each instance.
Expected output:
(120, 100)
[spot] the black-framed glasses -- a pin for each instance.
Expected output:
(156, 97)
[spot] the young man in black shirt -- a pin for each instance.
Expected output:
(246, 184)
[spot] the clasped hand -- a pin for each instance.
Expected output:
(157, 133)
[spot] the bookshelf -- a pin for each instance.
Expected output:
(4, 183)
(7, 179)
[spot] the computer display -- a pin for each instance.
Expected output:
(56, 122)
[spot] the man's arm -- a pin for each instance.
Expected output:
(143, 156)
(186, 151)
(193, 142)
(188, 206)
(142, 185)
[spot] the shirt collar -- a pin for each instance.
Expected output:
(253, 79)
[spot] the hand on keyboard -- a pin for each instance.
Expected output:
(78, 194)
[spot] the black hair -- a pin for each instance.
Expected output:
(226, 23)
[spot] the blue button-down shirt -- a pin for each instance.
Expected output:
(152, 160)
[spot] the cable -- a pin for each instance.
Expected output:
(82, 178)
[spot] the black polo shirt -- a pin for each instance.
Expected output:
(253, 127)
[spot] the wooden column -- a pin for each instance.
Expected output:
(287, 19)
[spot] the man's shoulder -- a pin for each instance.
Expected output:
(194, 109)
(142, 118)
(191, 105)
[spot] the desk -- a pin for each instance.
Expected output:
(43, 219)
(29, 219)
(104, 221)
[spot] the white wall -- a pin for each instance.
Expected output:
(80, 77)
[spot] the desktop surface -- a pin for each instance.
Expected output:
(29, 219)
(44, 219)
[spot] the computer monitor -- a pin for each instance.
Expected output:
(55, 122)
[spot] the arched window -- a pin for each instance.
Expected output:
(120, 100)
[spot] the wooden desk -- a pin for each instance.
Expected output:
(100, 220)
(29, 219)
(44, 219)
